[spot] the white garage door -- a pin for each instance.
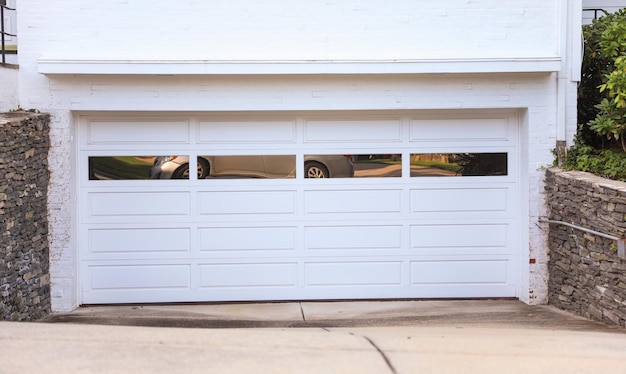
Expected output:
(412, 205)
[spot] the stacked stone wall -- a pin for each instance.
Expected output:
(24, 262)
(587, 277)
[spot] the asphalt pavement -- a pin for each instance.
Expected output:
(429, 336)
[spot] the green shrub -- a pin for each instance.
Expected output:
(600, 143)
(607, 163)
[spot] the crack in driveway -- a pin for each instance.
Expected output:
(302, 312)
(381, 352)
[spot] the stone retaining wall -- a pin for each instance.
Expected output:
(587, 277)
(24, 263)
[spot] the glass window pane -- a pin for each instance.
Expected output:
(377, 166)
(458, 164)
(328, 166)
(353, 166)
(170, 167)
(248, 166)
(121, 167)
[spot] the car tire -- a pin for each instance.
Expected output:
(182, 172)
(203, 168)
(315, 170)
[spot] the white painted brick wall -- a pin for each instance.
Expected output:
(288, 30)
(283, 30)
(298, 93)
(8, 89)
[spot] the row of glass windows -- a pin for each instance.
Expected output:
(284, 166)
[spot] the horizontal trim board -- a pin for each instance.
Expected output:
(200, 67)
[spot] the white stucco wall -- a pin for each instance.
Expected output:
(279, 30)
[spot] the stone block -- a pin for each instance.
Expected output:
(567, 290)
(612, 317)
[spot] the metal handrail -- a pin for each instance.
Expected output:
(621, 242)
(590, 231)
(4, 33)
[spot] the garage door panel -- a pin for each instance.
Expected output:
(105, 277)
(139, 203)
(460, 131)
(249, 275)
(353, 237)
(247, 132)
(137, 132)
(461, 200)
(494, 235)
(138, 240)
(353, 201)
(353, 273)
(246, 202)
(459, 272)
(378, 131)
(234, 239)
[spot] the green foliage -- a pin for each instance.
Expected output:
(594, 66)
(610, 122)
(612, 41)
(605, 41)
(607, 163)
(121, 167)
(610, 119)
(437, 164)
(600, 146)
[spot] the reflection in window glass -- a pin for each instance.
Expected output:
(120, 167)
(170, 167)
(458, 164)
(377, 166)
(328, 166)
(248, 166)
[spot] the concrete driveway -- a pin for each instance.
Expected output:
(475, 336)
